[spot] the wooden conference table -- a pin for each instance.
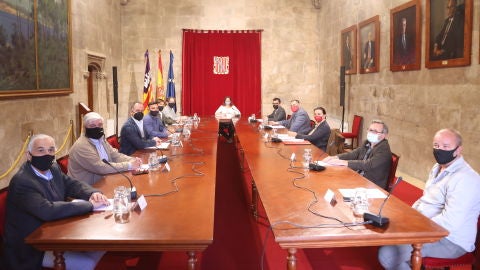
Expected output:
(181, 221)
(283, 202)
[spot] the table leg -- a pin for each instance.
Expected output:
(192, 260)
(416, 259)
(59, 261)
(254, 200)
(291, 259)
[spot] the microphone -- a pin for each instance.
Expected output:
(378, 220)
(133, 190)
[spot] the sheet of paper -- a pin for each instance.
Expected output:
(321, 163)
(274, 126)
(373, 193)
(162, 146)
(100, 208)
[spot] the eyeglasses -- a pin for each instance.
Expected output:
(374, 131)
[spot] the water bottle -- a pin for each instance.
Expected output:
(121, 205)
(153, 161)
(307, 158)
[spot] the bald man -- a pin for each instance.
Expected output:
(450, 199)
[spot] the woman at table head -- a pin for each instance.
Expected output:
(227, 109)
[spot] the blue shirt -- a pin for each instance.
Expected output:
(154, 126)
(452, 200)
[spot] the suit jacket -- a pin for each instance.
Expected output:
(154, 126)
(85, 164)
(165, 119)
(131, 139)
(453, 44)
(365, 63)
(376, 167)
(299, 122)
(347, 57)
(404, 55)
(319, 137)
(277, 115)
(30, 203)
(170, 113)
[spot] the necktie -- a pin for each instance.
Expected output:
(404, 42)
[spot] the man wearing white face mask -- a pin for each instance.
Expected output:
(373, 159)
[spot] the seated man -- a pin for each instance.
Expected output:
(152, 123)
(165, 119)
(133, 136)
(299, 122)
(278, 113)
(36, 195)
(319, 135)
(86, 155)
(373, 159)
(450, 199)
(169, 111)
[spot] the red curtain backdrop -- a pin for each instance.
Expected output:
(203, 91)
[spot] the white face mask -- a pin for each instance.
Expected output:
(372, 137)
(227, 103)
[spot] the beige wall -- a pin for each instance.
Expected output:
(96, 28)
(300, 59)
(414, 104)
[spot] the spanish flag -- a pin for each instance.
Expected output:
(147, 85)
(160, 87)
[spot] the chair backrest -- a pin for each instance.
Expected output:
(289, 116)
(113, 141)
(312, 123)
(393, 170)
(335, 143)
(63, 163)
(357, 121)
(3, 207)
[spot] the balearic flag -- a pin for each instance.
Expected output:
(171, 81)
(147, 85)
(160, 87)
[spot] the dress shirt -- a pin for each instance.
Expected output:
(169, 112)
(154, 126)
(100, 149)
(451, 199)
(140, 126)
(224, 110)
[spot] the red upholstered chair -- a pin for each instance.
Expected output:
(63, 163)
(3, 206)
(357, 121)
(113, 141)
(464, 262)
(312, 123)
(393, 170)
(289, 116)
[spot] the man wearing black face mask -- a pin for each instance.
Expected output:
(278, 113)
(450, 199)
(86, 155)
(152, 122)
(37, 194)
(133, 136)
(169, 110)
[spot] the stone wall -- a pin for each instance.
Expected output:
(415, 104)
(95, 29)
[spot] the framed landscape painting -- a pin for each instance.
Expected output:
(35, 48)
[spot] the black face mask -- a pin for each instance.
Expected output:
(138, 116)
(171, 105)
(443, 156)
(154, 113)
(275, 107)
(42, 163)
(160, 108)
(94, 133)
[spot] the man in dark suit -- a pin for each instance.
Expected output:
(347, 53)
(319, 135)
(133, 136)
(449, 42)
(278, 113)
(299, 122)
(373, 159)
(404, 50)
(368, 60)
(37, 194)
